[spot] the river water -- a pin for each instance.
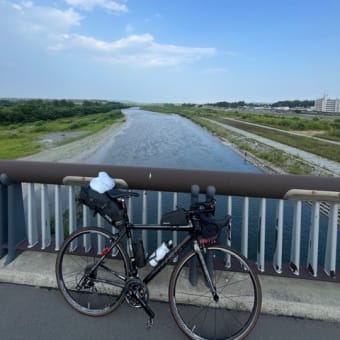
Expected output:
(158, 140)
(170, 141)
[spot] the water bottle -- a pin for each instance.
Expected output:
(159, 253)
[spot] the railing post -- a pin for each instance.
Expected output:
(45, 218)
(58, 219)
(86, 240)
(72, 211)
(277, 261)
(100, 240)
(229, 229)
(13, 223)
(331, 246)
(313, 244)
(174, 233)
(144, 221)
(245, 223)
(296, 240)
(130, 209)
(159, 216)
(3, 218)
(32, 233)
(261, 236)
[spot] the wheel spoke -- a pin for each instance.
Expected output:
(196, 312)
(82, 279)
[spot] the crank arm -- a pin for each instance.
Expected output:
(146, 308)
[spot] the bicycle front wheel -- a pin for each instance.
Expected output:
(232, 312)
(90, 282)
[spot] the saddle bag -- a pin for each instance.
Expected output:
(110, 209)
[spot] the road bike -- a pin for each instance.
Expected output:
(213, 293)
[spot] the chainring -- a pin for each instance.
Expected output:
(136, 287)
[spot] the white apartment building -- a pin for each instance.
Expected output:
(325, 104)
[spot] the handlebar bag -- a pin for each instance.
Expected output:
(111, 209)
(209, 227)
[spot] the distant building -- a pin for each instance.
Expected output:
(326, 104)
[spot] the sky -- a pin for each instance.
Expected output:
(156, 51)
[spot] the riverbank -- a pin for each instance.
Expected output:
(261, 164)
(292, 160)
(79, 150)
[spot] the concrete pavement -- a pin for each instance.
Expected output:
(32, 313)
(37, 312)
(281, 296)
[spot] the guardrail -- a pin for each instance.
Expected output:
(28, 223)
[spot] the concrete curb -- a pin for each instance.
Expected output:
(281, 296)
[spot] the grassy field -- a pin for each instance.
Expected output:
(19, 140)
(327, 127)
(317, 147)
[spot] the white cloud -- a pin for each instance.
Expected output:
(22, 5)
(140, 50)
(53, 18)
(54, 29)
(26, 18)
(88, 5)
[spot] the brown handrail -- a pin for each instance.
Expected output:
(174, 180)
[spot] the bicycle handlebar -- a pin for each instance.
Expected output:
(208, 205)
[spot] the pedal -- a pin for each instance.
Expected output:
(149, 323)
(147, 310)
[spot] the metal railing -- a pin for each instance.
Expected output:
(41, 213)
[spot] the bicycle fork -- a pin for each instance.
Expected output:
(207, 275)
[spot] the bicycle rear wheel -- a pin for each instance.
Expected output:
(235, 310)
(90, 285)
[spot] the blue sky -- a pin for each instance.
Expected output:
(170, 51)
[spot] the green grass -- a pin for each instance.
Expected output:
(325, 127)
(19, 140)
(317, 147)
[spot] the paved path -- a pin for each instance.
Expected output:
(285, 131)
(334, 167)
(39, 314)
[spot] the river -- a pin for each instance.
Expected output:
(170, 141)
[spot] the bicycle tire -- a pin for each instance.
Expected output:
(77, 255)
(192, 305)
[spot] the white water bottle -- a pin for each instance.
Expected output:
(159, 253)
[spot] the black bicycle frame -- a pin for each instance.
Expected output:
(174, 252)
(169, 256)
(133, 270)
